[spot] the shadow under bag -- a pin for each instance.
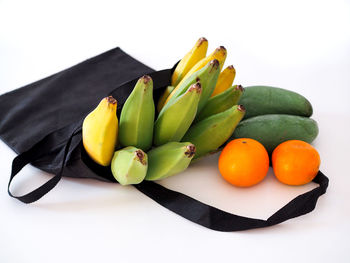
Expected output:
(42, 123)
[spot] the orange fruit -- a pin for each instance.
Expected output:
(244, 162)
(295, 162)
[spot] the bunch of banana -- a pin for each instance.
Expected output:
(100, 131)
(173, 122)
(197, 114)
(137, 116)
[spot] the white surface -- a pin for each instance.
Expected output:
(298, 45)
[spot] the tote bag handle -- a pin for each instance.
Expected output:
(216, 219)
(43, 147)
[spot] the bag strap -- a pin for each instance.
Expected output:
(40, 149)
(216, 219)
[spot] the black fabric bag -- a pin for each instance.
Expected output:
(42, 122)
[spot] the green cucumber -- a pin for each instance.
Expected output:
(261, 100)
(273, 129)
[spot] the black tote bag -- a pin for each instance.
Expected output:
(42, 123)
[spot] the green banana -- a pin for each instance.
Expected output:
(221, 102)
(129, 165)
(174, 121)
(137, 116)
(210, 133)
(169, 159)
(207, 76)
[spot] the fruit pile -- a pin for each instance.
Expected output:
(198, 114)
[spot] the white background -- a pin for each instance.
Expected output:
(303, 46)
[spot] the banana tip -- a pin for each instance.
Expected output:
(111, 100)
(197, 87)
(190, 150)
(146, 79)
(221, 48)
(201, 40)
(215, 63)
(241, 108)
(239, 87)
(140, 155)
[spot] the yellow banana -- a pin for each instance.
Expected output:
(219, 54)
(100, 131)
(164, 96)
(197, 53)
(225, 80)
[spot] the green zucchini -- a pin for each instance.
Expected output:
(273, 129)
(261, 100)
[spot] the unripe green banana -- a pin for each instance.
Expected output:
(174, 121)
(210, 133)
(137, 116)
(129, 165)
(207, 76)
(169, 159)
(163, 97)
(221, 102)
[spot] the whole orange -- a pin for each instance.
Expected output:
(244, 162)
(295, 162)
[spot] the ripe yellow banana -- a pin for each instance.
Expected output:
(100, 131)
(129, 165)
(219, 54)
(169, 159)
(197, 53)
(225, 80)
(164, 96)
(173, 122)
(137, 116)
